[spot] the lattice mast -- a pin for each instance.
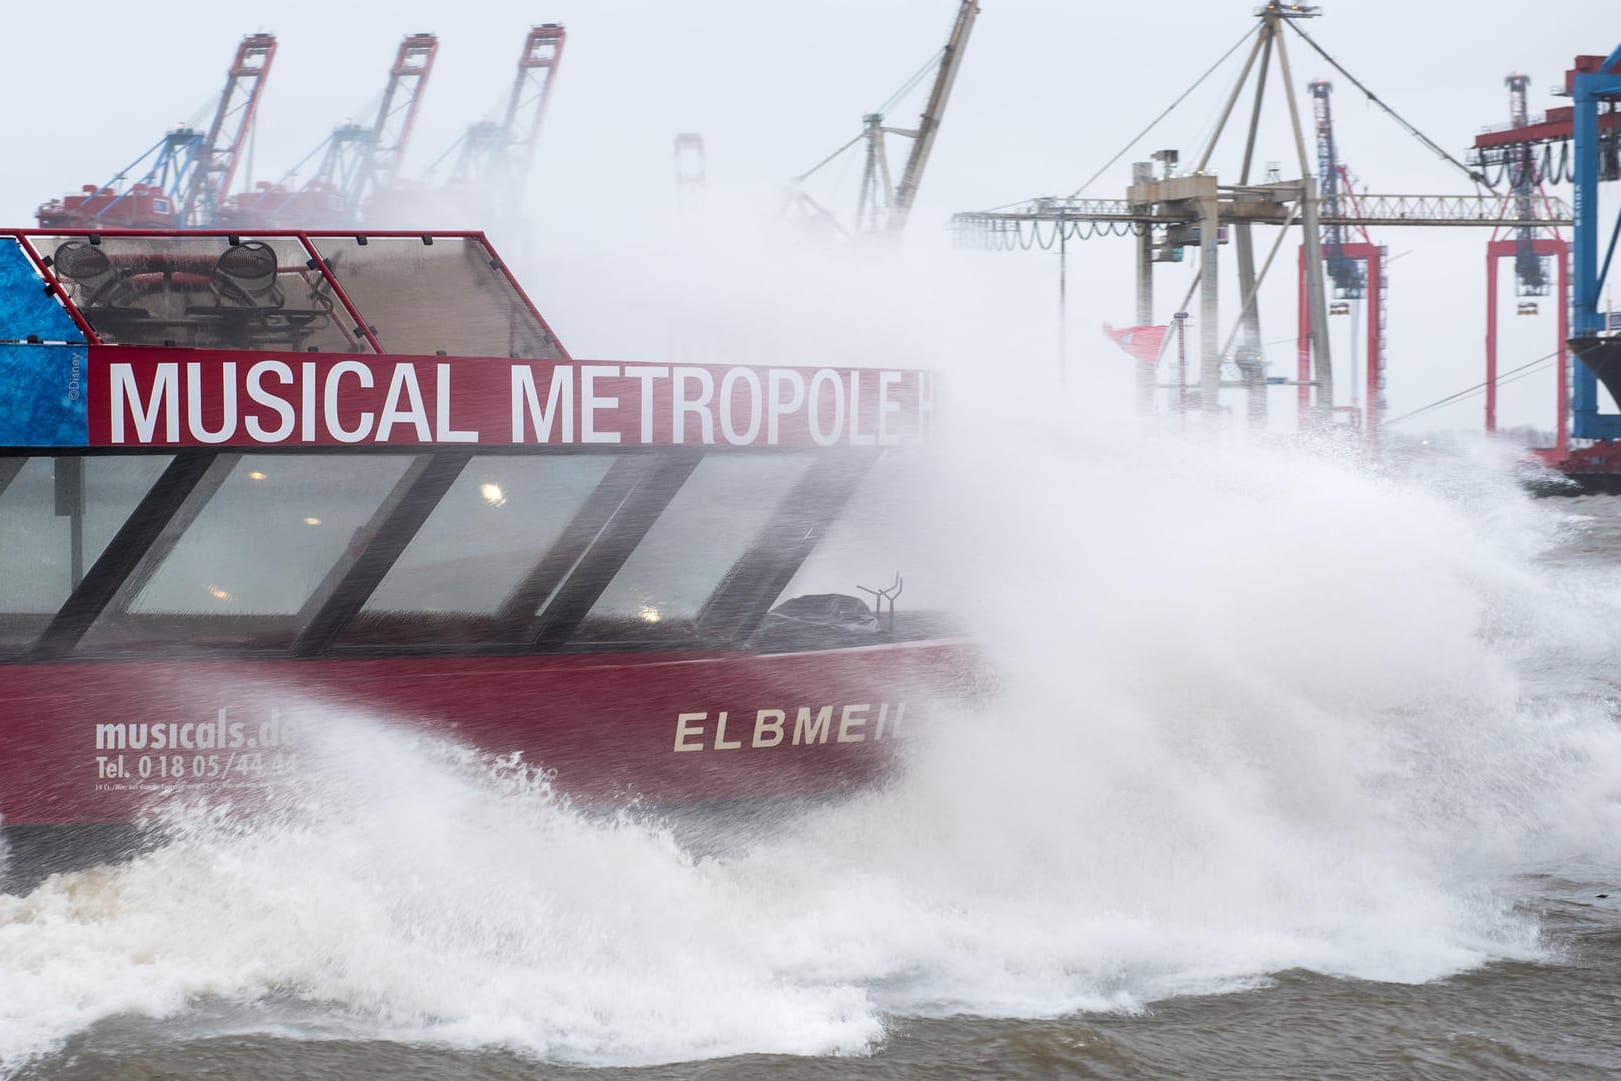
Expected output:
(211, 180)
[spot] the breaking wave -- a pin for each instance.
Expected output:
(1259, 709)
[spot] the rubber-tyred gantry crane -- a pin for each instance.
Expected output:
(187, 171)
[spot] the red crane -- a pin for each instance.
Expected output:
(1514, 150)
(211, 180)
(495, 157)
(356, 161)
(396, 117)
(188, 172)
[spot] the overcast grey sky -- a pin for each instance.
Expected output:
(1048, 92)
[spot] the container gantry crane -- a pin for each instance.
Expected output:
(1580, 142)
(357, 161)
(189, 171)
(1592, 83)
(396, 119)
(1531, 246)
(1530, 269)
(210, 182)
(494, 157)
(1344, 271)
(1355, 269)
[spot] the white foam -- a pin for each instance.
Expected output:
(1259, 711)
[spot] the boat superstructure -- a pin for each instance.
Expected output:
(240, 474)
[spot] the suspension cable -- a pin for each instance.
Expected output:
(1477, 177)
(910, 84)
(1450, 398)
(802, 177)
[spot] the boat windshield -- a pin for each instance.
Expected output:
(428, 294)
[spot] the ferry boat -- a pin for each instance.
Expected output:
(241, 474)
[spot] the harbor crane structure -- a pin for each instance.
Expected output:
(883, 205)
(356, 160)
(1593, 82)
(1581, 142)
(1531, 245)
(493, 158)
(188, 173)
(1356, 271)
(1167, 211)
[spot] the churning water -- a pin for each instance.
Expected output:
(1295, 768)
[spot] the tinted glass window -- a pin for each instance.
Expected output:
(493, 526)
(445, 296)
(202, 291)
(257, 539)
(888, 534)
(880, 533)
(44, 504)
(712, 521)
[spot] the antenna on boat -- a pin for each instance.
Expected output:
(879, 596)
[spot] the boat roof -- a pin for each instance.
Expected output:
(127, 339)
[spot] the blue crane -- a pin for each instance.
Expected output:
(1591, 84)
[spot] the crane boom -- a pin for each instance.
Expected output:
(495, 156)
(929, 123)
(396, 117)
(211, 180)
(531, 91)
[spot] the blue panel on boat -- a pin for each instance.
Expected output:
(42, 401)
(24, 306)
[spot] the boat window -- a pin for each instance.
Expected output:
(57, 516)
(202, 291)
(877, 534)
(710, 523)
(447, 296)
(256, 548)
(493, 526)
(885, 533)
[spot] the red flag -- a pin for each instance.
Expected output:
(1141, 342)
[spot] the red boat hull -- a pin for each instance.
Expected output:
(95, 741)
